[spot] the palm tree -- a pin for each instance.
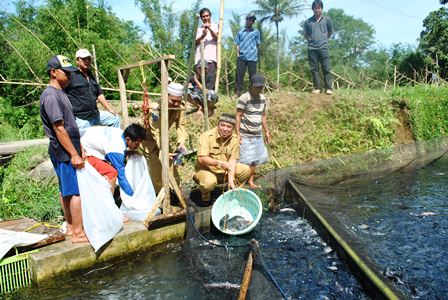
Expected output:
(276, 11)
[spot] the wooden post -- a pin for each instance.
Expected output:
(124, 103)
(218, 48)
(246, 277)
(154, 207)
(204, 90)
(95, 65)
(164, 139)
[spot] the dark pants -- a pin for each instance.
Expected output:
(211, 75)
(322, 57)
(241, 66)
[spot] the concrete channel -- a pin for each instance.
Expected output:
(64, 257)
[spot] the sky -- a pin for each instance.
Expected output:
(398, 21)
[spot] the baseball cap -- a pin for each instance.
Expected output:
(257, 80)
(60, 62)
(251, 16)
(83, 53)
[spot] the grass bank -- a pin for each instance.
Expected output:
(304, 128)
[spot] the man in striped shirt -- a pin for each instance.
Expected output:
(250, 123)
(247, 42)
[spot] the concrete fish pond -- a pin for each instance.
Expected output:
(400, 222)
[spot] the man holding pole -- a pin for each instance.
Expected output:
(152, 145)
(208, 33)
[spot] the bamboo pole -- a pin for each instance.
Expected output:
(20, 55)
(94, 64)
(190, 66)
(246, 277)
(204, 90)
(164, 139)
(124, 101)
(218, 49)
(32, 33)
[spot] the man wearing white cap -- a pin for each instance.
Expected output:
(83, 93)
(151, 146)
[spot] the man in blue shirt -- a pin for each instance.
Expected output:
(105, 148)
(247, 42)
(317, 31)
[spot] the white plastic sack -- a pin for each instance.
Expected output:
(137, 207)
(101, 218)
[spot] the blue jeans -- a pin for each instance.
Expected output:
(320, 57)
(104, 119)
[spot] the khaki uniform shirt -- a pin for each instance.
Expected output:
(211, 144)
(154, 134)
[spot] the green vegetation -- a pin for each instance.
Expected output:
(304, 128)
(23, 196)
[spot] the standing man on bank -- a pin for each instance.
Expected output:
(84, 91)
(208, 32)
(317, 31)
(247, 42)
(151, 146)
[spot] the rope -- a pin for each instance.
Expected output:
(272, 277)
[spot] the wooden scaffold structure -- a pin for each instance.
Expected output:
(163, 198)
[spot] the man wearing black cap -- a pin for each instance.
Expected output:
(218, 151)
(251, 121)
(65, 145)
(247, 42)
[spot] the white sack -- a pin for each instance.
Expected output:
(101, 218)
(137, 207)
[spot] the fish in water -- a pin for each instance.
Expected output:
(234, 224)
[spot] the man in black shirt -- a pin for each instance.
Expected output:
(83, 92)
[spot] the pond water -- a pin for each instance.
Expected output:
(401, 223)
(302, 264)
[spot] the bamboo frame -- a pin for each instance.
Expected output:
(123, 72)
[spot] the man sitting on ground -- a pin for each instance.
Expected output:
(105, 148)
(218, 151)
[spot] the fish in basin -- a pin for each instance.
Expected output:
(234, 224)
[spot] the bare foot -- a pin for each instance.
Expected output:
(69, 231)
(252, 185)
(80, 239)
(125, 219)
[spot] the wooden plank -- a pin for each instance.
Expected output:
(163, 220)
(155, 206)
(246, 277)
(177, 191)
(33, 226)
(164, 140)
(148, 62)
(14, 147)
